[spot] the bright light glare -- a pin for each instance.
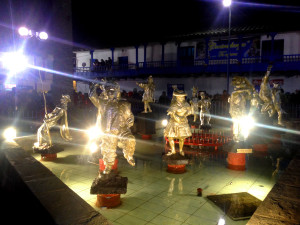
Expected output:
(43, 35)
(164, 123)
(93, 147)
(94, 133)
(221, 221)
(246, 124)
(23, 31)
(226, 3)
(14, 62)
(10, 133)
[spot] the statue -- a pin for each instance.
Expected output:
(204, 104)
(148, 95)
(114, 119)
(178, 127)
(276, 98)
(266, 95)
(59, 114)
(271, 98)
(243, 91)
(194, 102)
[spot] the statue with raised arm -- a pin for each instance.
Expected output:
(57, 116)
(243, 92)
(266, 95)
(114, 119)
(178, 127)
(148, 95)
(204, 104)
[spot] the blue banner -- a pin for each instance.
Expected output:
(219, 49)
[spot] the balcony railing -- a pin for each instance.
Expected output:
(216, 65)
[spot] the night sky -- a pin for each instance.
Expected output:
(117, 23)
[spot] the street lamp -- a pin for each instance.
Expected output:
(227, 3)
(25, 32)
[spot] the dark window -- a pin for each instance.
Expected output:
(277, 52)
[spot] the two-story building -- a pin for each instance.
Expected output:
(199, 59)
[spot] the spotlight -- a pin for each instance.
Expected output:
(226, 3)
(94, 133)
(164, 123)
(43, 35)
(10, 133)
(246, 124)
(24, 32)
(14, 62)
(93, 147)
(221, 221)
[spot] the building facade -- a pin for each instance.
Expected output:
(200, 60)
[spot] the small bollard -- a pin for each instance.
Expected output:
(199, 192)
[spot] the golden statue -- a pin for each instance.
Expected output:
(266, 95)
(243, 91)
(114, 119)
(148, 95)
(271, 98)
(194, 101)
(178, 127)
(276, 98)
(59, 114)
(204, 104)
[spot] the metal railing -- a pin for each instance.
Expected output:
(191, 63)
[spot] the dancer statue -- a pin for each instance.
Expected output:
(270, 98)
(194, 101)
(59, 114)
(266, 95)
(276, 98)
(178, 127)
(148, 95)
(204, 104)
(114, 118)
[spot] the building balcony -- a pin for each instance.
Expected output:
(284, 63)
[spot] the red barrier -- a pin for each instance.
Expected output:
(209, 139)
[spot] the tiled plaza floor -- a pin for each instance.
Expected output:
(155, 196)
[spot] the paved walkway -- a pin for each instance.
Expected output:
(155, 196)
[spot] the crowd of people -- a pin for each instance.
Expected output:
(102, 65)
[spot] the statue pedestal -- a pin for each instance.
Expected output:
(236, 156)
(146, 125)
(109, 187)
(176, 163)
(236, 161)
(48, 153)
